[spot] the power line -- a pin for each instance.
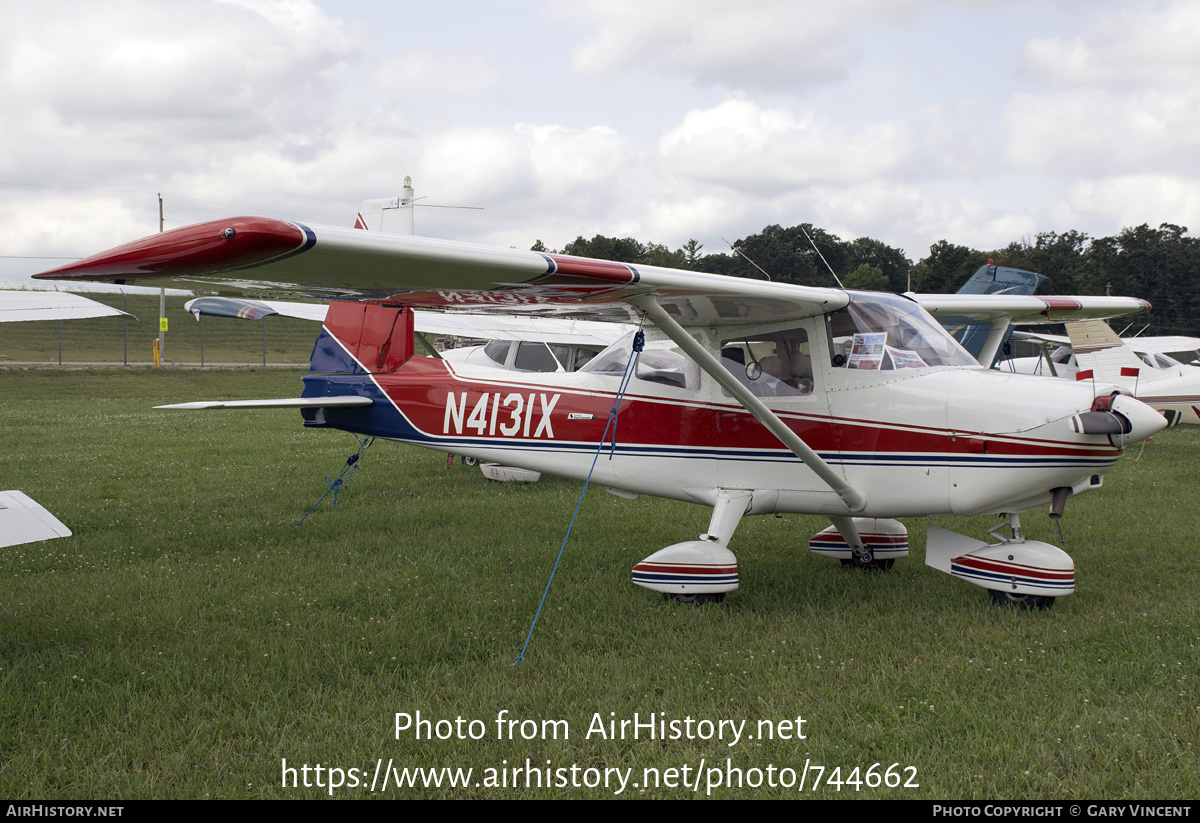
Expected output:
(74, 188)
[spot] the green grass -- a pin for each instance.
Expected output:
(117, 339)
(189, 636)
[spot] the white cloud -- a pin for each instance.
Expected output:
(434, 74)
(226, 70)
(1138, 48)
(1095, 132)
(758, 43)
(1118, 98)
(681, 212)
(742, 145)
(571, 163)
(689, 120)
(1131, 200)
(72, 223)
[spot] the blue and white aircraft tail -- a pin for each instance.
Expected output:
(990, 279)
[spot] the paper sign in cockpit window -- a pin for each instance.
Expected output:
(905, 359)
(867, 351)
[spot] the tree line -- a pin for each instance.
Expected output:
(1159, 265)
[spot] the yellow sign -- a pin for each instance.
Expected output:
(162, 324)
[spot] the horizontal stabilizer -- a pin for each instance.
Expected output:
(283, 403)
(23, 520)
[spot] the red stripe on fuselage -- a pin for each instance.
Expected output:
(191, 250)
(420, 389)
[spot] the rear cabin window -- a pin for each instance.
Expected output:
(497, 351)
(660, 362)
(535, 357)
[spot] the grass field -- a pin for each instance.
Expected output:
(189, 637)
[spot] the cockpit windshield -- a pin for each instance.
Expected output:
(880, 331)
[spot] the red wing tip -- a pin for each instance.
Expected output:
(203, 248)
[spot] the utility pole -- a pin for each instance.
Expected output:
(162, 294)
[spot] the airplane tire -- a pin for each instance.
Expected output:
(470, 461)
(695, 599)
(1021, 601)
(873, 566)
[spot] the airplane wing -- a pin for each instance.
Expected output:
(50, 305)
(1028, 309)
(988, 279)
(484, 326)
(255, 309)
(23, 520)
(257, 253)
(252, 253)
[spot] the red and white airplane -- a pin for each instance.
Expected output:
(750, 397)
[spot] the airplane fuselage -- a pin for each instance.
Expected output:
(935, 441)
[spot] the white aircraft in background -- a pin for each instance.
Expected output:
(537, 344)
(22, 519)
(747, 396)
(18, 305)
(1093, 351)
(1184, 350)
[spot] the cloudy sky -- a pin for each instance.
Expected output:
(911, 121)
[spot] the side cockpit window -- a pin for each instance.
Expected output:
(776, 364)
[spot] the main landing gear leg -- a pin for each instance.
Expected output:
(699, 571)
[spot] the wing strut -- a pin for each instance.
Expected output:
(854, 498)
(995, 339)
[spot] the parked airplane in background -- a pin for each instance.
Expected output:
(751, 397)
(1184, 350)
(22, 519)
(1093, 351)
(989, 279)
(520, 343)
(17, 305)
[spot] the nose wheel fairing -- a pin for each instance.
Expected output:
(1015, 567)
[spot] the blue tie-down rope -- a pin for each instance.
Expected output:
(342, 482)
(639, 342)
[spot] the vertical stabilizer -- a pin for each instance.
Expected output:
(1100, 350)
(363, 337)
(391, 215)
